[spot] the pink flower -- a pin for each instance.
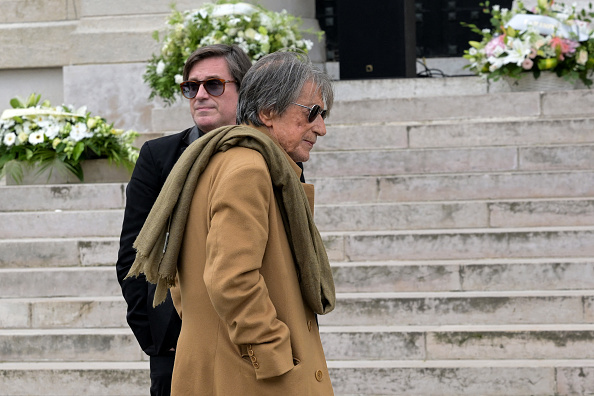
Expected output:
(496, 46)
(527, 64)
(563, 46)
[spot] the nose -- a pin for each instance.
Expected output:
(202, 94)
(319, 126)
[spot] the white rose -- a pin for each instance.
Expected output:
(160, 68)
(582, 57)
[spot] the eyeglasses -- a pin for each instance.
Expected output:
(214, 87)
(313, 112)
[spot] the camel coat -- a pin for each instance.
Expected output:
(246, 329)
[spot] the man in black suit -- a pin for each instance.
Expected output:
(212, 77)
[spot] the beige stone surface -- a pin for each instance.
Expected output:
(402, 162)
(69, 282)
(78, 312)
(47, 82)
(19, 11)
(105, 345)
(470, 244)
(443, 380)
(116, 92)
(439, 309)
(525, 104)
(62, 197)
(22, 48)
(510, 344)
(502, 133)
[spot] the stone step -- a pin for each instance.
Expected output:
(464, 275)
(457, 342)
(463, 377)
(340, 343)
(345, 217)
(333, 190)
(341, 246)
(379, 276)
(536, 133)
(63, 313)
(57, 252)
(468, 105)
(493, 106)
(415, 188)
(454, 160)
(353, 309)
(62, 197)
(392, 88)
(407, 378)
(75, 378)
(458, 133)
(59, 282)
(176, 117)
(461, 308)
(88, 345)
(62, 224)
(460, 244)
(452, 215)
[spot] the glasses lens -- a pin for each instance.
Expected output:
(189, 89)
(313, 113)
(214, 87)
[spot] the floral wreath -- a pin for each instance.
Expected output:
(255, 29)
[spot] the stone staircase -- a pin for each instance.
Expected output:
(459, 223)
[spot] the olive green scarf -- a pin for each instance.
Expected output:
(159, 242)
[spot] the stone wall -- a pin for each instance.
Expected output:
(93, 53)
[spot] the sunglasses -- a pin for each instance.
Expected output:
(213, 86)
(313, 112)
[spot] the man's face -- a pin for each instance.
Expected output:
(210, 112)
(293, 131)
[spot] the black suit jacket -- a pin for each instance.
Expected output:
(156, 329)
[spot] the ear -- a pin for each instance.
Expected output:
(267, 117)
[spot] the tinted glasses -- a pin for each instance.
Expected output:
(214, 87)
(313, 112)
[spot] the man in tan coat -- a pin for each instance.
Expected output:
(252, 269)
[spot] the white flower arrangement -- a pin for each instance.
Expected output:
(550, 37)
(255, 29)
(37, 134)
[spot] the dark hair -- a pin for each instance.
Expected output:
(276, 80)
(236, 58)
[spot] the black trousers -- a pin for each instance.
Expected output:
(161, 370)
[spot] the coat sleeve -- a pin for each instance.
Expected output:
(235, 247)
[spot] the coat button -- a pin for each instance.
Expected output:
(309, 325)
(319, 375)
(256, 365)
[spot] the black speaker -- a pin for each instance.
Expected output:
(376, 38)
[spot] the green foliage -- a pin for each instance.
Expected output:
(58, 138)
(253, 28)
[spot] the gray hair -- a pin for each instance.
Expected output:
(275, 81)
